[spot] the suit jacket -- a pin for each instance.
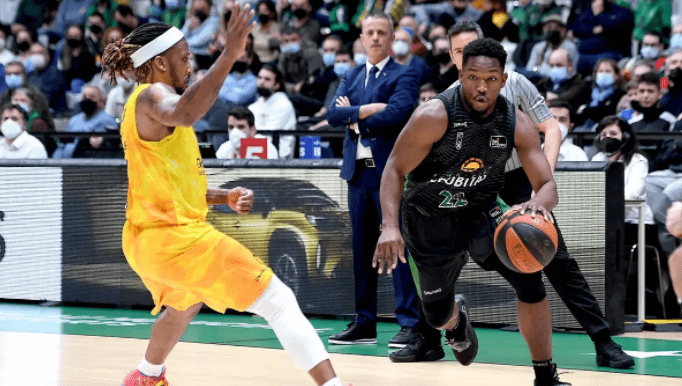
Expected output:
(397, 87)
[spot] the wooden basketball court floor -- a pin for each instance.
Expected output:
(93, 346)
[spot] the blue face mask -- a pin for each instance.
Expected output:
(25, 107)
(291, 48)
(360, 59)
(340, 69)
(328, 58)
(676, 40)
(14, 80)
(604, 80)
(558, 74)
(649, 52)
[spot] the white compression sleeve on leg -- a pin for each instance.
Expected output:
(278, 305)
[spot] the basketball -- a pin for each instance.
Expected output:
(525, 244)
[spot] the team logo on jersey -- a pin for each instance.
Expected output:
(496, 214)
(458, 142)
(498, 141)
(472, 164)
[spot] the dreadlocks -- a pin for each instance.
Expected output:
(116, 56)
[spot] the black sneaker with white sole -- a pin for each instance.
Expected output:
(420, 350)
(464, 347)
(355, 334)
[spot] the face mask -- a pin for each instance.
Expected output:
(23, 46)
(328, 58)
(558, 74)
(201, 16)
(300, 13)
(38, 61)
(649, 52)
(95, 29)
(360, 59)
(675, 76)
(340, 69)
(2, 44)
(609, 145)
(172, 4)
(264, 92)
(400, 48)
(14, 80)
(676, 40)
(73, 43)
(127, 84)
(564, 131)
(604, 80)
(553, 36)
(88, 106)
(291, 48)
(443, 58)
(263, 18)
(240, 67)
(10, 129)
(25, 107)
(235, 137)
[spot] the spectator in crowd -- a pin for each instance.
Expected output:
(649, 117)
(601, 29)
(199, 29)
(273, 109)
(419, 47)
(126, 20)
(15, 76)
(437, 31)
(16, 143)
(495, 21)
(106, 9)
(445, 72)
(49, 79)
(343, 62)
(239, 88)
(174, 13)
(71, 12)
(39, 117)
(554, 31)
(651, 50)
(606, 92)
(111, 35)
(312, 94)
(676, 37)
(6, 55)
(119, 94)
(30, 15)
(624, 108)
(652, 16)
(359, 53)
(403, 56)
(299, 19)
(427, 91)
(527, 16)
(240, 125)
(266, 35)
(94, 34)
(22, 45)
(375, 100)
(564, 82)
(448, 12)
(8, 11)
(77, 63)
(299, 60)
(672, 100)
(339, 20)
(563, 113)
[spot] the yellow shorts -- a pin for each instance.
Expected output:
(187, 264)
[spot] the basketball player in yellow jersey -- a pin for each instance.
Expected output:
(182, 260)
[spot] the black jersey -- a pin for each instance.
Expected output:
(466, 166)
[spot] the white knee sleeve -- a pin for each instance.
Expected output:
(278, 305)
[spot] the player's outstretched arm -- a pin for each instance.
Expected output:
(161, 102)
(239, 199)
(527, 142)
(426, 126)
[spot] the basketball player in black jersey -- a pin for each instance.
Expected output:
(454, 149)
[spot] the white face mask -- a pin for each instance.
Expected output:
(11, 129)
(236, 137)
(400, 48)
(38, 61)
(564, 131)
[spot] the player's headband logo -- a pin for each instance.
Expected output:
(156, 46)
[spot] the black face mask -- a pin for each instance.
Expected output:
(553, 36)
(201, 16)
(442, 58)
(675, 77)
(263, 18)
(240, 67)
(300, 13)
(609, 145)
(88, 106)
(23, 46)
(95, 29)
(73, 43)
(264, 92)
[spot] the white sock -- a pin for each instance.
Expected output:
(149, 369)
(333, 382)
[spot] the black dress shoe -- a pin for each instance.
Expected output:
(610, 354)
(419, 350)
(355, 334)
(402, 338)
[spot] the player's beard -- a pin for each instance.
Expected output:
(179, 85)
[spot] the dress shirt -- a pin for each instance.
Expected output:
(23, 146)
(276, 113)
(365, 151)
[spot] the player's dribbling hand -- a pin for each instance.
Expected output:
(530, 207)
(238, 29)
(240, 200)
(390, 248)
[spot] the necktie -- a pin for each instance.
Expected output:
(371, 81)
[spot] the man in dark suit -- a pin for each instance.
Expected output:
(375, 101)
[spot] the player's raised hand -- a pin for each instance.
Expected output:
(238, 29)
(390, 248)
(240, 200)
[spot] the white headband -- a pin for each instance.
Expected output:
(156, 46)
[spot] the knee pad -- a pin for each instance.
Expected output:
(437, 313)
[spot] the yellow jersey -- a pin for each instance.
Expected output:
(166, 179)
